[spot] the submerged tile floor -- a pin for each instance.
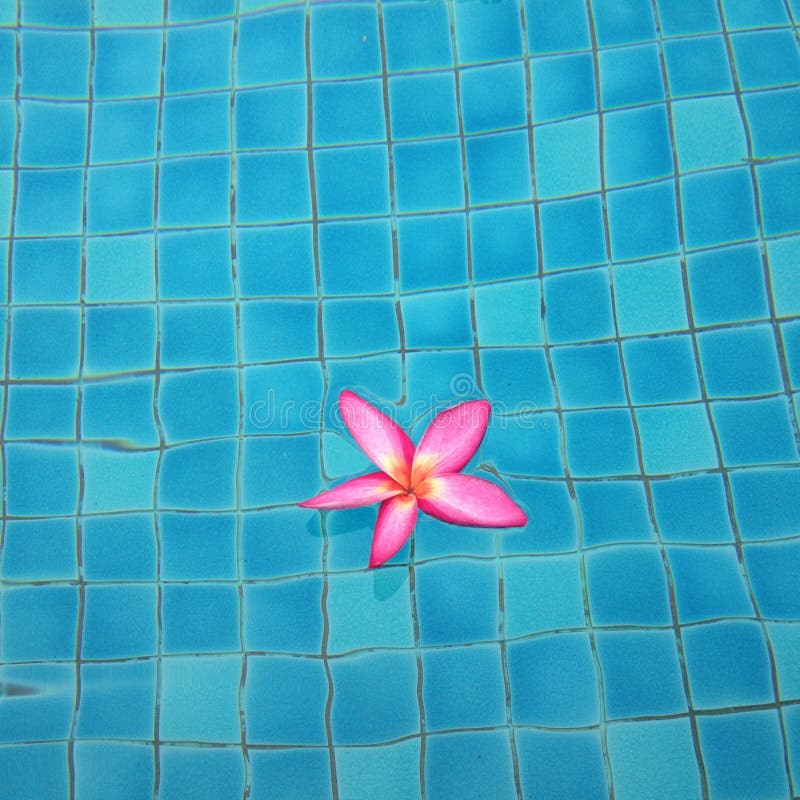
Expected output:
(217, 214)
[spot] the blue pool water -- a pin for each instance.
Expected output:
(218, 214)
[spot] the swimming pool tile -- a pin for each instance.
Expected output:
(677, 18)
(498, 168)
(199, 334)
(38, 147)
(197, 546)
(661, 370)
(629, 76)
(654, 758)
(200, 618)
(578, 306)
(187, 772)
(643, 221)
(434, 538)
(120, 621)
(437, 319)
(518, 380)
(37, 768)
(676, 438)
(41, 480)
(215, 678)
(631, 21)
(558, 764)
(123, 131)
(709, 583)
(532, 448)
(429, 176)
(39, 549)
(280, 616)
(588, 375)
(119, 268)
(763, 502)
(276, 261)
(69, 13)
(708, 132)
(769, 114)
(356, 326)
(552, 528)
(268, 552)
(367, 610)
(423, 105)
(275, 330)
(48, 714)
(272, 187)
(288, 772)
(48, 202)
(641, 673)
(127, 63)
(117, 700)
(636, 145)
(715, 681)
(383, 682)
(120, 198)
(776, 183)
(766, 58)
(194, 264)
(391, 770)
(790, 335)
(344, 41)
(493, 97)
(718, 207)
(120, 338)
(8, 118)
(772, 567)
(572, 233)
(346, 112)
(199, 476)
(281, 398)
(199, 404)
(457, 601)
(195, 124)
(627, 585)
(279, 470)
(507, 313)
(417, 36)
(553, 681)
(742, 753)
(350, 534)
(351, 181)
(198, 57)
(42, 50)
(785, 640)
(471, 765)
(503, 242)
(120, 12)
(463, 687)
(112, 769)
(8, 78)
(740, 362)
(271, 117)
(356, 258)
(727, 285)
(121, 547)
(567, 159)
(757, 13)
(600, 443)
(487, 33)
(194, 191)
(118, 481)
(649, 297)
(692, 509)
(559, 25)
(271, 47)
(542, 594)
(697, 65)
(39, 623)
(46, 271)
(755, 431)
(614, 511)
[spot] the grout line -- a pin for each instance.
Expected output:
(241, 694)
(326, 387)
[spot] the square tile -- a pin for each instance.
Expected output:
(120, 198)
(578, 306)
(195, 264)
(48, 203)
(118, 481)
(120, 338)
(630, 75)
(518, 380)
(661, 370)
(430, 176)
(119, 548)
(199, 335)
(764, 110)
(508, 313)
(271, 117)
(200, 618)
(573, 233)
(271, 47)
(49, 716)
(197, 546)
(437, 319)
(127, 63)
(600, 443)
(487, 34)
(41, 480)
(494, 97)
(120, 410)
(352, 181)
(708, 132)
(614, 511)
(765, 58)
(195, 191)
(498, 168)
(354, 327)
(622, 24)
(38, 147)
(101, 767)
(773, 571)
(199, 476)
(559, 25)
(637, 145)
(650, 297)
(199, 57)
(287, 772)
(273, 187)
(417, 36)
(41, 412)
(391, 769)
(120, 621)
(532, 448)
(503, 242)
(276, 260)
(676, 439)
(677, 18)
(643, 221)
(422, 104)
(187, 772)
(692, 509)
(432, 251)
(275, 330)
(356, 258)
(563, 86)
(196, 124)
(120, 268)
(46, 271)
(567, 159)
(40, 623)
(763, 503)
(589, 375)
(697, 65)
(39, 549)
(66, 14)
(347, 112)
(338, 46)
(279, 470)
(42, 50)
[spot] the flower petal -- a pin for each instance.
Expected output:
(380, 438)
(396, 519)
(450, 440)
(361, 491)
(469, 500)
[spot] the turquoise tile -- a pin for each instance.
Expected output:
(708, 132)
(357, 326)
(120, 621)
(194, 191)
(111, 769)
(429, 176)
(197, 546)
(356, 258)
(41, 49)
(417, 36)
(650, 297)
(630, 75)
(195, 124)
(119, 12)
(286, 772)
(532, 448)
(271, 47)
(38, 147)
(613, 511)
(637, 145)
(503, 242)
(437, 319)
(40, 549)
(768, 114)
(573, 234)
(588, 375)
(485, 33)
(643, 221)
(127, 63)
(41, 412)
(351, 181)
(272, 187)
(569, 82)
(776, 184)
(186, 772)
(271, 117)
(756, 13)
(661, 370)
(566, 157)
(517, 380)
(765, 58)
(45, 342)
(120, 411)
(346, 112)
(559, 25)
(676, 438)
(508, 313)
(578, 306)
(629, 21)
(600, 443)
(498, 168)
(773, 570)
(494, 97)
(198, 57)
(48, 203)
(432, 251)
(120, 268)
(266, 550)
(762, 499)
(423, 104)
(41, 480)
(69, 13)
(119, 547)
(697, 66)
(199, 476)
(676, 17)
(194, 265)
(48, 713)
(389, 770)
(785, 640)
(278, 470)
(276, 260)
(200, 618)
(692, 509)
(200, 334)
(338, 46)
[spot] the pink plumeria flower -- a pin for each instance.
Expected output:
(427, 477)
